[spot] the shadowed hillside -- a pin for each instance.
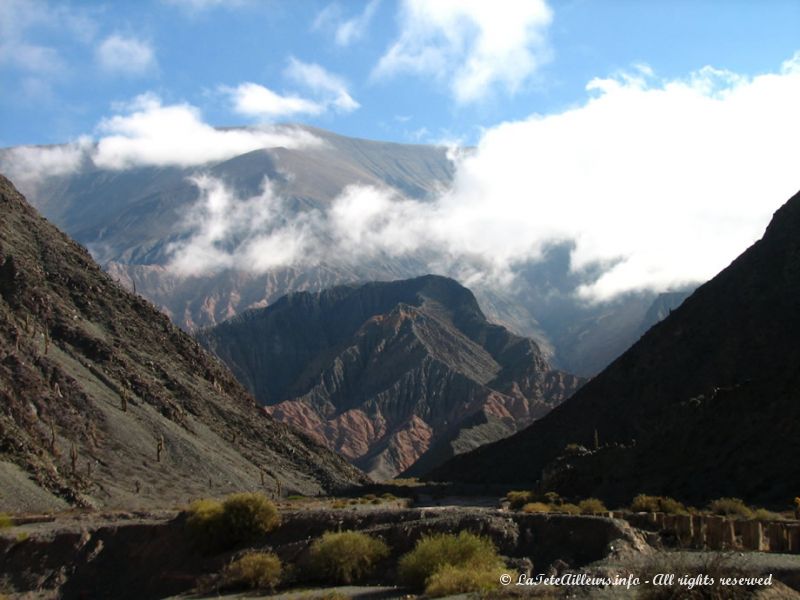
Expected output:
(706, 404)
(105, 402)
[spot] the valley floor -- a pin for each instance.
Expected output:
(146, 555)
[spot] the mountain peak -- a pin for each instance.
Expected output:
(366, 368)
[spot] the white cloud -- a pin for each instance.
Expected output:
(125, 55)
(661, 182)
(153, 134)
(256, 101)
(27, 165)
(254, 234)
(259, 102)
(346, 31)
(148, 133)
(472, 45)
(330, 88)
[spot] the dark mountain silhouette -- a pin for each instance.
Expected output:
(105, 402)
(390, 373)
(706, 404)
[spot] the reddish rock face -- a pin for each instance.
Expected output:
(391, 375)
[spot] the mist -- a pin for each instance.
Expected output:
(654, 183)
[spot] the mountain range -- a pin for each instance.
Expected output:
(706, 404)
(395, 376)
(132, 219)
(106, 403)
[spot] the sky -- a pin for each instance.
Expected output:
(400, 71)
(657, 137)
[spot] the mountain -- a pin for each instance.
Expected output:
(390, 374)
(131, 220)
(706, 404)
(106, 403)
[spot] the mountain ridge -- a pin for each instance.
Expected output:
(380, 370)
(106, 403)
(699, 392)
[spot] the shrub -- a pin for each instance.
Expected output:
(450, 580)
(730, 507)
(434, 552)
(575, 450)
(346, 556)
(249, 515)
(570, 509)
(536, 507)
(238, 518)
(205, 523)
(762, 514)
(644, 503)
(591, 505)
(518, 499)
(6, 521)
(552, 498)
(256, 570)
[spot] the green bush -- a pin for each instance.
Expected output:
(730, 507)
(645, 503)
(591, 505)
(346, 556)
(518, 499)
(255, 570)
(437, 551)
(6, 521)
(552, 498)
(570, 509)
(536, 507)
(450, 580)
(238, 518)
(762, 514)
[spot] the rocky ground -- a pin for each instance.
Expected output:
(148, 555)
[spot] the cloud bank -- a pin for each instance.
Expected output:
(473, 46)
(148, 133)
(660, 182)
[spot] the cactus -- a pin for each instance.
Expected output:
(159, 448)
(596, 440)
(124, 398)
(52, 437)
(73, 458)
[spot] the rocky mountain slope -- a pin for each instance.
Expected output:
(130, 220)
(105, 402)
(706, 404)
(391, 375)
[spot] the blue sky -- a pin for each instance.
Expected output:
(657, 137)
(64, 67)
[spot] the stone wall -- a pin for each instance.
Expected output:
(719, 533)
